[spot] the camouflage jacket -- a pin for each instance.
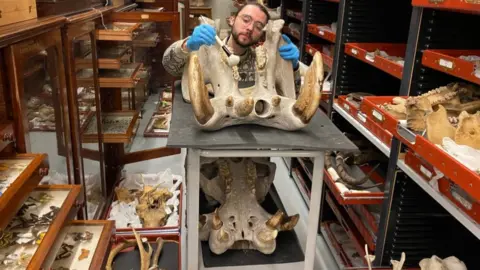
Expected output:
(175, 58)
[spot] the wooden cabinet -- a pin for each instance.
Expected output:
(195, 13)
(12, 11)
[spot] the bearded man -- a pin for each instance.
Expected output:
(246, 31)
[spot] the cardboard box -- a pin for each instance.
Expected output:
(12, 11)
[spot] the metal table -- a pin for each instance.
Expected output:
(251, 141)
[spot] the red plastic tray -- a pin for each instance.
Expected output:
(325, 34)
(356, 197)
(384, 119)
(362, 229)
(447, 187)
(295, 34)
(467, 179)
(297, 14)
(336, 246)
(313, 48)
(348, 227)
(448, 61)
(362, 209)
(360, 50)
(365, 120)
(470, 6)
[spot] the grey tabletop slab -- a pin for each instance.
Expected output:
(320, 135)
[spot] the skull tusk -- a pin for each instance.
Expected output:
(223, 236)
(216, 222)
(289, 223)
(275, 220)
(309, 98)
(202, 107)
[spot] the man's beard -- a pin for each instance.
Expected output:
(237, 40)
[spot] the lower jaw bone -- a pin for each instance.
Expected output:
(240, 222)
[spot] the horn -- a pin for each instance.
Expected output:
(216, 222)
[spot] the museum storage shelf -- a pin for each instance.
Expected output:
(322, 31)
(89, 253)
(470, 6)
(311, 49)
(293, 14)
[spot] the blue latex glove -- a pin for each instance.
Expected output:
(289, 51)
(203, 34)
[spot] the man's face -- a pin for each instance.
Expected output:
(248, 26)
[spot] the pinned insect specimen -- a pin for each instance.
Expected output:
(65, 252)
(7, 239)
(81, 236)
(84, 254)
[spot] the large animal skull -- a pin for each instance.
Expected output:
(239, 184)
(272, 101)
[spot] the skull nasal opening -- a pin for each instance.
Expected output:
(262, 108)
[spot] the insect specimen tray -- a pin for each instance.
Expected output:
(108, 58)
(82, 244)
(118, 127)
(19, 175)
(320, 135)
(30, 235)
(125, 77)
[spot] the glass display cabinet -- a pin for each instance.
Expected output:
(37, 83)
(39, 147)
(132, 85)
(85, 109)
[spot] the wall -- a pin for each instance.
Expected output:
(221, 9)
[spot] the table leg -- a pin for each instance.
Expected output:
(193, 194)
(314, 213)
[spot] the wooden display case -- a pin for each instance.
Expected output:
(108, 58)
(118, 31)
(37, 91)
(195, 13)
(19, 175)
(52, 207)
(84, 104)
(117, 127)
(84, 244)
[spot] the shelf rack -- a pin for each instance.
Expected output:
(386, 50)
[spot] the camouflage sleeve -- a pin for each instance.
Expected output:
(174, 58)
(298, 80)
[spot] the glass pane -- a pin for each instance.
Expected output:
(45, 112)
(87, 117)
(150, 128)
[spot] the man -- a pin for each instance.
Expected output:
(247, 31)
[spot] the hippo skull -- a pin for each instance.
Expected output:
(239, 185)
(271, 102)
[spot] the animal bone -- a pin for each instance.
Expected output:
(240, 222)
(116, 250)
(438, 126)
(398, 265)
(436, 263)
(144, 255)
(272, 100)
(468, 131)
(397, 108)
(151, 206)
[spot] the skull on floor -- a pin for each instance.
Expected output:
(271, 102)
(240, 185)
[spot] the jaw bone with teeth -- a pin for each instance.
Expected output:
(272, 101)
(239, 184)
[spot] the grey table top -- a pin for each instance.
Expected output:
(320, 135)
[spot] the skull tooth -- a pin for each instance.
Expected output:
(245, 107)
(276, 101)
(223, 235)
(309, 98)
(275, 220)
(202, 107)
(216, 222)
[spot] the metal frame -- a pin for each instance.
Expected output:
(193, 195)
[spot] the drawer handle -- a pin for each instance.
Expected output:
(43, 172)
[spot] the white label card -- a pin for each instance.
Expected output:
(321, 33)
(377, 115)
(446, 63)
(462, 200)
(426, 172)
(370, 58)
(361, 117)
(354, 51)
(346, 107)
